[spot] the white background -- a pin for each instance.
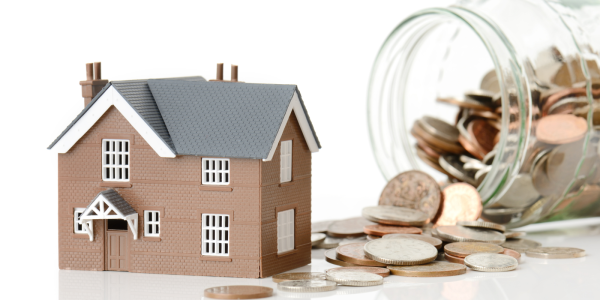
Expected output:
(325, 47)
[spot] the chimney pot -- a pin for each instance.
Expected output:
(97, 71)
(220, 72)
(89, 69)
(234, 73)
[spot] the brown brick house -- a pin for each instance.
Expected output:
(186, 176)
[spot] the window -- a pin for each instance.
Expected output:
(286, 161)
(215, 171)
(215, 234)
(115, 160)
(78, 228)
(151, 223)
(285, 231)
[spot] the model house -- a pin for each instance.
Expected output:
(186, 176)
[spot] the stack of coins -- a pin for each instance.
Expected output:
(465, 149)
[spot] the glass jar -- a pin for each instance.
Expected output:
(519, 85)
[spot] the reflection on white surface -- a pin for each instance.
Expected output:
(534, 279)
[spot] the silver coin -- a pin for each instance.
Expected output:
(317, 238)
(484, 225)
(555, 252)
(402, 252)
(520, 245)
(322, 226)
(521, 193)
(567, 104)
(353, 241)
(514, 234)
(501, 211)
(306, 286)
(452, 164)
(491, 262)
(409, 216)
(489, 82)
(465, 234)
(328, 243)
(439, 128)
(355, 278)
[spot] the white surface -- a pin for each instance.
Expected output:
(545, 279)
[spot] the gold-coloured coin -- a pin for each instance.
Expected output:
(454, 259)
(520, 245)
(463, 249)
(479, 224)
(238, 292)
(299, 276)
(432, 269)
(355, 254)
(331, 257)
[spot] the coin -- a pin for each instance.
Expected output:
(400, 251)
(352, 227)
(482, 134)
(437, 243)
(372, 237)
(461, 203)
(491, 262)
(381, 230)
(331, 257)
(355, 278)
(555, 252)
(413, 189)
(469, 146)
(417, 130)
(432, 269)
(453, 166)
(521, 193)
(540, 179)
(439, 128)
(463, 249)
(328, 243)
(298, 276)
(429, 160)
(322, 226)
(513, 253)
(353, 240)
(307, 286)
(383, 272)
(520, 245)
(394, 215)
(355, 254)
(238, 292)
(454, 259)
(317, 238)
(465, 103)
(484, 225)
(514, 234)
(561, 129)
(465, 234)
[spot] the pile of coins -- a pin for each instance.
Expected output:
(465, 150)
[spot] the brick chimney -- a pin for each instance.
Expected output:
(93, 84)
(234, 73)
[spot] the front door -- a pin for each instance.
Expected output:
(116, 253)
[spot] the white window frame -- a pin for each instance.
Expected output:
(152, 220)
(116, 160)
(215, 234)
(77, 212)
(217, 170)
(285, 231)
(286, 161)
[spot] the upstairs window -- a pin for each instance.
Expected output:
(215, 171)
(215, 234)
(115, 160)
(286, 161)
(151, 223)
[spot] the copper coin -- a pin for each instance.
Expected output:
(556, 97)
(432, 269)
(433, 241)
(355, 254)
(463, 249)
(428, 150)
(454, 259)
(561, 129)
(465, 103)
(461, 203)
(482, 135)
(383, 272)
(331, 257)
(430, 160)
(512, 253)
(348, 228)
(472, 149)
(417, 130)
(238, 292)
(412, 189)
(381, 230)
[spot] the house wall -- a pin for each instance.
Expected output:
(172, 185)
(281, 196)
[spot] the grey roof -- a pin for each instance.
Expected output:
(196, 117)
(226, 119)
(116, 200)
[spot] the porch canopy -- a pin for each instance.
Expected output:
(109, 205)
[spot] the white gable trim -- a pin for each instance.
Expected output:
(304, 126)
(109, 98)
(103, 212)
